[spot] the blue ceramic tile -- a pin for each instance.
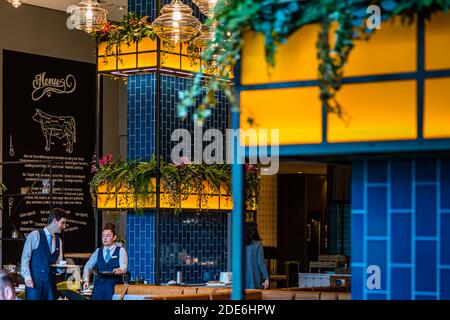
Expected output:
(401, 284)
(376, 296)
(376, 171)
(401, 181)
(426, 265)
(376, 211)
(425, 297)
(357, 237)
(376, 255)
(445, 183)
(358, 283)
(445, 284)
(401, 238)
(426, 170)
(425, 211)
(445, 239)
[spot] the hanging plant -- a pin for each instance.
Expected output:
(277, 20)
(140, 180)
(178, 181)
(113, 175)
(251, 185)
(134, 28)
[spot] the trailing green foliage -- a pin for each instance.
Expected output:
(132, 28)
(277, 20)
(177, 181)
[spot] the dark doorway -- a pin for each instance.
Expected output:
(302, 207)
(313, 217)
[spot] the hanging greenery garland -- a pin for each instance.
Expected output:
(133, 28)
(277, 20)
(177, 180)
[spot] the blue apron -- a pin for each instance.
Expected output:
(104, 285)
(42, 274)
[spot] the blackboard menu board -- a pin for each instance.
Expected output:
(48, 116)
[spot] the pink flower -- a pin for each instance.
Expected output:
(250, 168)
(93, 169)
(183, 161)
(105, 160)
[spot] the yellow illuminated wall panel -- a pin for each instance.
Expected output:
(188, 66)
(392, 49)
(127, 61)
(226, 203)
(102, 48)
(124, 48)
(147, 44)
(124, 199)
(147, 60)
(106, 64)
(267, 211)
(296, 112)
(437, 42)
(106, 202)
(295, 60)
(171, 61)
(437, 108)
(378, 112)
(140, 56)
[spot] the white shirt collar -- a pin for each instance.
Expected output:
(47, 233)
(111, 248)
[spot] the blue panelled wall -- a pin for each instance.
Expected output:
(148, 8)
(197, 242)
(401, 223)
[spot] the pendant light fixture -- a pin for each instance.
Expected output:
(16, 3)
(207, 35)
(206, 6)
(176, 23)
(88, 16)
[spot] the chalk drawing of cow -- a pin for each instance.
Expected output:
(61, 127)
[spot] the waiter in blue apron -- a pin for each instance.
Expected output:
(42, 249)
(111, 261)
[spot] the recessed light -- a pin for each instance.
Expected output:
(121, 7)
(299, 172)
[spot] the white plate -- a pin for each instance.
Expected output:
(64, 266)
(86, 291)
(218, 284)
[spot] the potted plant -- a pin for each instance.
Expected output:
(137, 181)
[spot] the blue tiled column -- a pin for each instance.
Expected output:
(143, 7)
(141, 228)
(401, 223)
(148, 7)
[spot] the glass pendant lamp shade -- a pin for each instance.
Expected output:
(16, 3)
(206, 6)
(176, 23)
(88, 16)
(207, 35)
